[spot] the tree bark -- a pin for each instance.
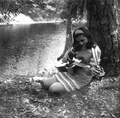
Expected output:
(103, 24)
(68, 42)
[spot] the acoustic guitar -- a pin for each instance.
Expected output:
(62, 67)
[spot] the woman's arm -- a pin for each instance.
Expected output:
(69, 55)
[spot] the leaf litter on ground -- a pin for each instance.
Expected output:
(21, 97)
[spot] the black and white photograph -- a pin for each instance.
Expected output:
(59, 58)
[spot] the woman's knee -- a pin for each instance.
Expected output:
(57, 87)
(49, 81)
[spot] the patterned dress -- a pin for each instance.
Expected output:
(81, 76)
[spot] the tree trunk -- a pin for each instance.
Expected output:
(70, 11)
(68, 43)
(103, 25)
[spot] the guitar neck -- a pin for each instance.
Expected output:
(79, 64)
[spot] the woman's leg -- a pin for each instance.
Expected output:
(52, 83)
(49, 81)
(57, 87)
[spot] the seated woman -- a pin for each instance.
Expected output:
(81, 50)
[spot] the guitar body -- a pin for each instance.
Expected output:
(69, 67)
(61, 66)
(61, 69)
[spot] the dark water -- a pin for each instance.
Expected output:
(28, 49)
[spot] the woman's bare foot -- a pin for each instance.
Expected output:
(36, 78)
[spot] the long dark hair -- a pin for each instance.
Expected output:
(85, 32)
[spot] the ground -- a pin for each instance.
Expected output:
(21, 97)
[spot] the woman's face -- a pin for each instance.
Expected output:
(82, 40)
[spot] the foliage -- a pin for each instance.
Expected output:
(46, 8)
(74, 8)
(11, 8)
(21, 97)
(7, 6)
